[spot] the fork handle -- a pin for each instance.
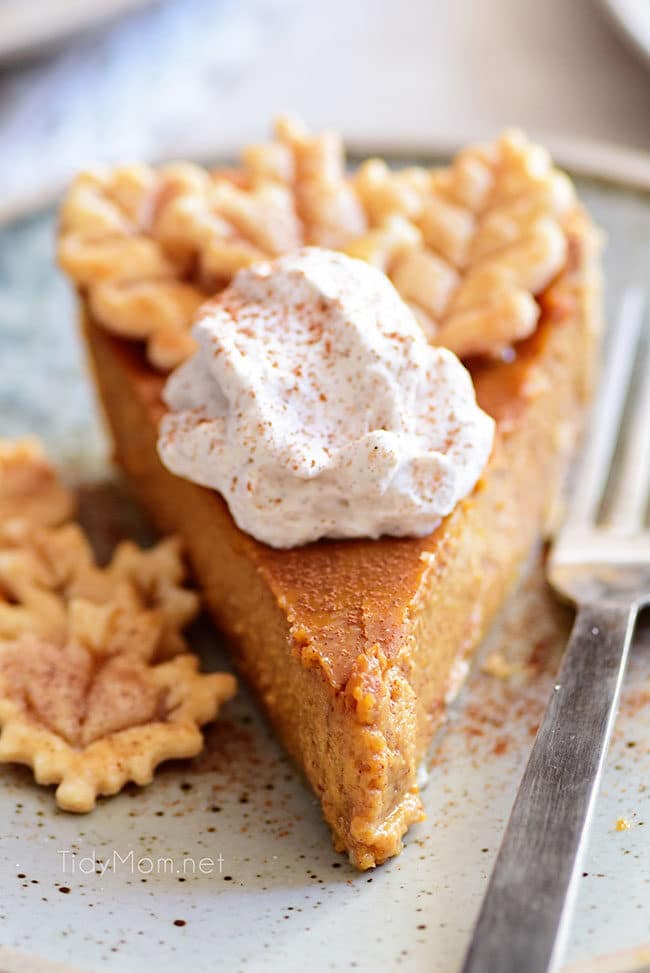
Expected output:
(524, 918)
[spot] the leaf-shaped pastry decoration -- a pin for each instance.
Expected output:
(90, 696)
(89, 721)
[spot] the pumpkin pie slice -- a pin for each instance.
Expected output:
(354, 647)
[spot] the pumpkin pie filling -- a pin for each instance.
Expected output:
(354, 646)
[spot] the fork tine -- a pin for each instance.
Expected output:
(603, 432)
(630, 496)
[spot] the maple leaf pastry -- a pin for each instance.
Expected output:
(97, 685)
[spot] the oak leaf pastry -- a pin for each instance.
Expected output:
(45, 563)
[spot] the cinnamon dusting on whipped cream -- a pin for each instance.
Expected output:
(317, 408)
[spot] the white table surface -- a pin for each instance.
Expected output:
(204, 75)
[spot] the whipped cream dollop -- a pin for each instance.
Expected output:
(317, 408)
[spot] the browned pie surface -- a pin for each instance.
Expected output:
(349, 595)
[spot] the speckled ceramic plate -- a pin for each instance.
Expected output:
(224, 861)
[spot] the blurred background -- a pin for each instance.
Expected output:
(82, 82)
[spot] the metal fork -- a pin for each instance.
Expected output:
(604, 568)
